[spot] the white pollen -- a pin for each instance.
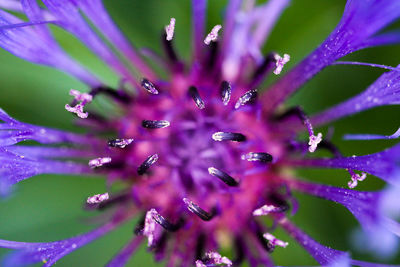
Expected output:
(97, 198)
(274, 241)
(98, 162)
(214, 258)
(265, 210)
(82, 99)
(355, 178)
(280, 62)
(213, 35)
(314, 141)
(150, 226)
(169, 29)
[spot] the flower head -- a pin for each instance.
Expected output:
(207, 152)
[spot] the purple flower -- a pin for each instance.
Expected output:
(204, 153)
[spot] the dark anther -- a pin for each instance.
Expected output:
(279, 201)
(226, 91)
(201, 242)
(120, 143)
(116, 94)
(267, 65)
(194, 93)
(146, 164)
(204, 215)
(226, 178)
(226, 136)
(258, 156)
(169, 49)
(239, 251)
(248, 97)
(168, 225)
(211, 57)
(140, 226)
(330, 147)
(294, 111)
(146, 84)
(265, 243)
(155, 124)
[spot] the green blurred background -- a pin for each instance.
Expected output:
(48, 207)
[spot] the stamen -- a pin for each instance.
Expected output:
(98, 162)
(314, 141)
(84, 99)
(214, 258)
(267, 209)
(204, 215)
(213, 35)
(146, 84)
(149, 124)
(274, 241)
(165, 223)
(169, 29)
(150, 226)
(226, 92)
(259, 156)
(227, 136)
(355, 178)
(120, 143)
(246, 98)
(280, 62)
(226, 178)
(97, 198)
(147, 164)
(194, 93)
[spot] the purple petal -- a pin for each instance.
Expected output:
(371, 136)
(123, 256)
(35, 45)
(323, 255)
(69, 18)
(199, 16)
(49, 253)
(95, 11)
(384, 91)
(383, 164)
(348, 37)
(16, 167)
(13, 131)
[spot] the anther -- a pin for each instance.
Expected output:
(213, 35)
(192, 207)
(83, 99)
(146, 84)
(194, 93)
(226, 178)
(149, 124)
(355, 178)
(267, 209)
(249, 96)
(226, 92)
(120, 143)
(166, 224)
(169, 29)
(147, 164)
(257, 156)
(98, 162)
(96, 199)
(227, 136)
(274, 241)
(280, 62)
